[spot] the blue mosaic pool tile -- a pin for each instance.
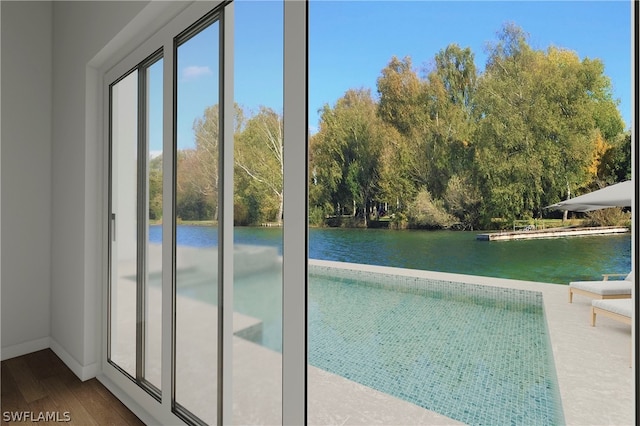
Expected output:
(477, 354)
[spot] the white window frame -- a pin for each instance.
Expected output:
(295, 249)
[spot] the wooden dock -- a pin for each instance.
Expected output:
(551, 233)
(271, 224)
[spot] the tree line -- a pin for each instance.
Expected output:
(455, 147)
(446, 146)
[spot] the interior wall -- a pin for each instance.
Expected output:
(26, 175)
(80, 31)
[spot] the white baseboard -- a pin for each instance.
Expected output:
(83, 372)
(25, 348)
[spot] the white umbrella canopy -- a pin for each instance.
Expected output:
(617, 195)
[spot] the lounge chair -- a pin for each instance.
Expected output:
(603, 289)
(619, 310)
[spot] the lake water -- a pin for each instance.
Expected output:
(557, 260)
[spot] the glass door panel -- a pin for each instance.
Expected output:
(196, 210)
(124, 236)
(152, 305)
(164, 289)
(136, 206)
(258, 203)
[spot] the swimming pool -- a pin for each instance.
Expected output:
(477, 354)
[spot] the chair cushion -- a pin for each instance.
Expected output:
(604, 288)
(618, 306)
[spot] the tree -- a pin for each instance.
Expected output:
(426, 213)
(601, 147)
(191, 202)
(259, 154)
(539, 114)
(462, 200)
(449, 102)
(433, 116)
(506, 169)
(456, 70)
(401, 96)
(198, 169)
(397, 184)
(347, 151)
(402, 106)
(155, 188)
(615, 163)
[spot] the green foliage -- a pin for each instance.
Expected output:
(492, 147)
(399, 221)
(536, 135)
(190, 206)
(401, 96)
(608, 217)
(254, 204)
(457, 73)
(259, 163)
(427, 213)
(247, 211)
(347, 153)
(615, 164)
(258, 170)
(241, 214)
(155, 194)
(197, 171)
(462, 200)
(317, 216)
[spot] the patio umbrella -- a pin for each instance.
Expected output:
(617, 195)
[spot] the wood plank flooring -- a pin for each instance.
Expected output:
(40, 383)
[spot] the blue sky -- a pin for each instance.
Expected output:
(351, 41)
(198, 75)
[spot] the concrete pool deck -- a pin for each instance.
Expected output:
(592, 365)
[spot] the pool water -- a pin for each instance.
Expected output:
(475, 354)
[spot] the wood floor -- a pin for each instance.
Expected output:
(40, 383)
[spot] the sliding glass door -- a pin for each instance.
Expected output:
(136, 267)
(197, 273)
(205, 320)
(166, 111)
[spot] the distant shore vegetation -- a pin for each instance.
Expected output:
(443, 147)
